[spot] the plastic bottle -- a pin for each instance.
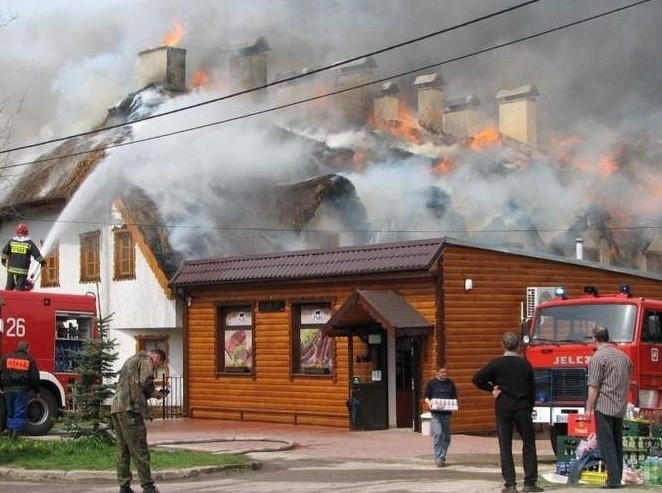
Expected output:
(650, 476)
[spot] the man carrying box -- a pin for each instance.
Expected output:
(440, 387)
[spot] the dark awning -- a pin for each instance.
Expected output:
(364, 309)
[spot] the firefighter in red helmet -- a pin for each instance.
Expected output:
(16, 257)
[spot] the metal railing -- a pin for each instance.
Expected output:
(173, 405)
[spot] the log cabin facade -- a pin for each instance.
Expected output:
(288, 337)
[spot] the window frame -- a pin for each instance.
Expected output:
(90, 256)
(222, 327)
(124, 255)
(50, 272)
(297, 325)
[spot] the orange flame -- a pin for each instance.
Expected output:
(358, 158)
(200, 78)
(608, 165)
(443, 166)
(488, 137)
(405, 128)
(174, 36)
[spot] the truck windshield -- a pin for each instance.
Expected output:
(573, 323)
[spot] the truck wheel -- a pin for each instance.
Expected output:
(555, 431)
(41, 413)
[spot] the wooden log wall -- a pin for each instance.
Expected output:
(272, 393)
(473, 322)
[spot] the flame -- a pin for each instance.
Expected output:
(175, 35)
(358, 158)
(608, 165)
(488, 137)
(443, 166)
(405, 128)
(200, 78)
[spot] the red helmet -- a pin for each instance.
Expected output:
(22, 230)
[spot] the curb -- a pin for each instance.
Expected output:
(19, 474)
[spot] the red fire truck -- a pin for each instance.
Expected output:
(558, 343)
(55, 325)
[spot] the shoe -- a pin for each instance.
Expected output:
(440, 463)
(125, 488)
(509, 489)
(532, 487)
(151, 489)
(611, 486)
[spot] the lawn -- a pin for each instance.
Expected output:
(91, 454)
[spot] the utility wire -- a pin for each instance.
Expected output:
(320, 230)
(333, 93)
(281, 81)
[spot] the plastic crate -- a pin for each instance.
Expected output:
(566, 447)
(636, 428)
(563, 467)
(593, 477)
(579, 425)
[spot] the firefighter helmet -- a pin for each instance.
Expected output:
(22, 230)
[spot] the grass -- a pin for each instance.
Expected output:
(92, 454)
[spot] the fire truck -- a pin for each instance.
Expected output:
(558, 343)
(55, 326)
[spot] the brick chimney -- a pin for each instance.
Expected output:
(518, 114)
(248, 66)
(356, 104)
(430, 102)
(461, 116)
(163, 65)
(387, 101)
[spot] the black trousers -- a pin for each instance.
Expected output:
(520, 420)
(16, 282)
(609, 432)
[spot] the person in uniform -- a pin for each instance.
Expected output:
(16, 256)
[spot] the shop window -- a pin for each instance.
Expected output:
(90, 270)
(50, 272)
(234, 340)
(125, 255)
(312, 352)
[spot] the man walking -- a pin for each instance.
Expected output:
(19, 375)
(127, 416)
(510, 380)
(16, 256)
(440, 387)
(608, 382)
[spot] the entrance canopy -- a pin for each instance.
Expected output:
(363, 309)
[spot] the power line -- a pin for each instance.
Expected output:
(322, 96)
(342, 230)
(281, 81)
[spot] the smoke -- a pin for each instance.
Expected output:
(66, 63)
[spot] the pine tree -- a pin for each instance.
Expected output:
(94, 365)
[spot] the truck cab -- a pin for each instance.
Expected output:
(55, 326)
(558, 343)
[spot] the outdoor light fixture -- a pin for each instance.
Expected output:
(468, 284)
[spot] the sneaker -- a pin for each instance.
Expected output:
(125, 488)
(509, 489)
(440, 463)
(151, 489)
(532, 487)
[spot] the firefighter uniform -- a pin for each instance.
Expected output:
(16, 257)
(19, 374)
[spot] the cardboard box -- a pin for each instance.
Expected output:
(443, 404)
(579, 425)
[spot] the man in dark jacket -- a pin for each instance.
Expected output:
(440, 387)
(19, 375)
(510, 379)
(16, 256)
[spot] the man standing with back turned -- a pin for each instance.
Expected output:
(608, 382)
(510, 379)
(127, 416)
(18, 375)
